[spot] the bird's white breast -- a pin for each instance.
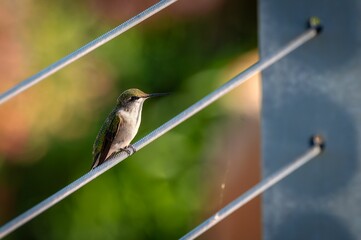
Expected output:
(130, 122)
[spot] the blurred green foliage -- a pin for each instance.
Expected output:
(158, 193)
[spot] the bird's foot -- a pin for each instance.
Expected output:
(128, 149)
(131, 147)
(124, 150)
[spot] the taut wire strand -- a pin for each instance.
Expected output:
(36, 78)
(192, 110)
(254, 192)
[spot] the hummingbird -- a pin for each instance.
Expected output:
(121, 126)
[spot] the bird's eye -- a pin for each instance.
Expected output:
(133, 98)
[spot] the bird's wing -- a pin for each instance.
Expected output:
(104, 140)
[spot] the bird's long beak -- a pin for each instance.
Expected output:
(155, 95)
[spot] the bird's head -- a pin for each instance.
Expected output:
(135, 96)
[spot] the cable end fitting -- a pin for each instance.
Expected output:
(315, 23)
(317, 140)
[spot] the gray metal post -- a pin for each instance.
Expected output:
(316, 89)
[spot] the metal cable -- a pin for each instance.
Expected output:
(231, 84)
(254, 192)
(27, 83)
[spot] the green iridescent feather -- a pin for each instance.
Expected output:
(105, 138)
